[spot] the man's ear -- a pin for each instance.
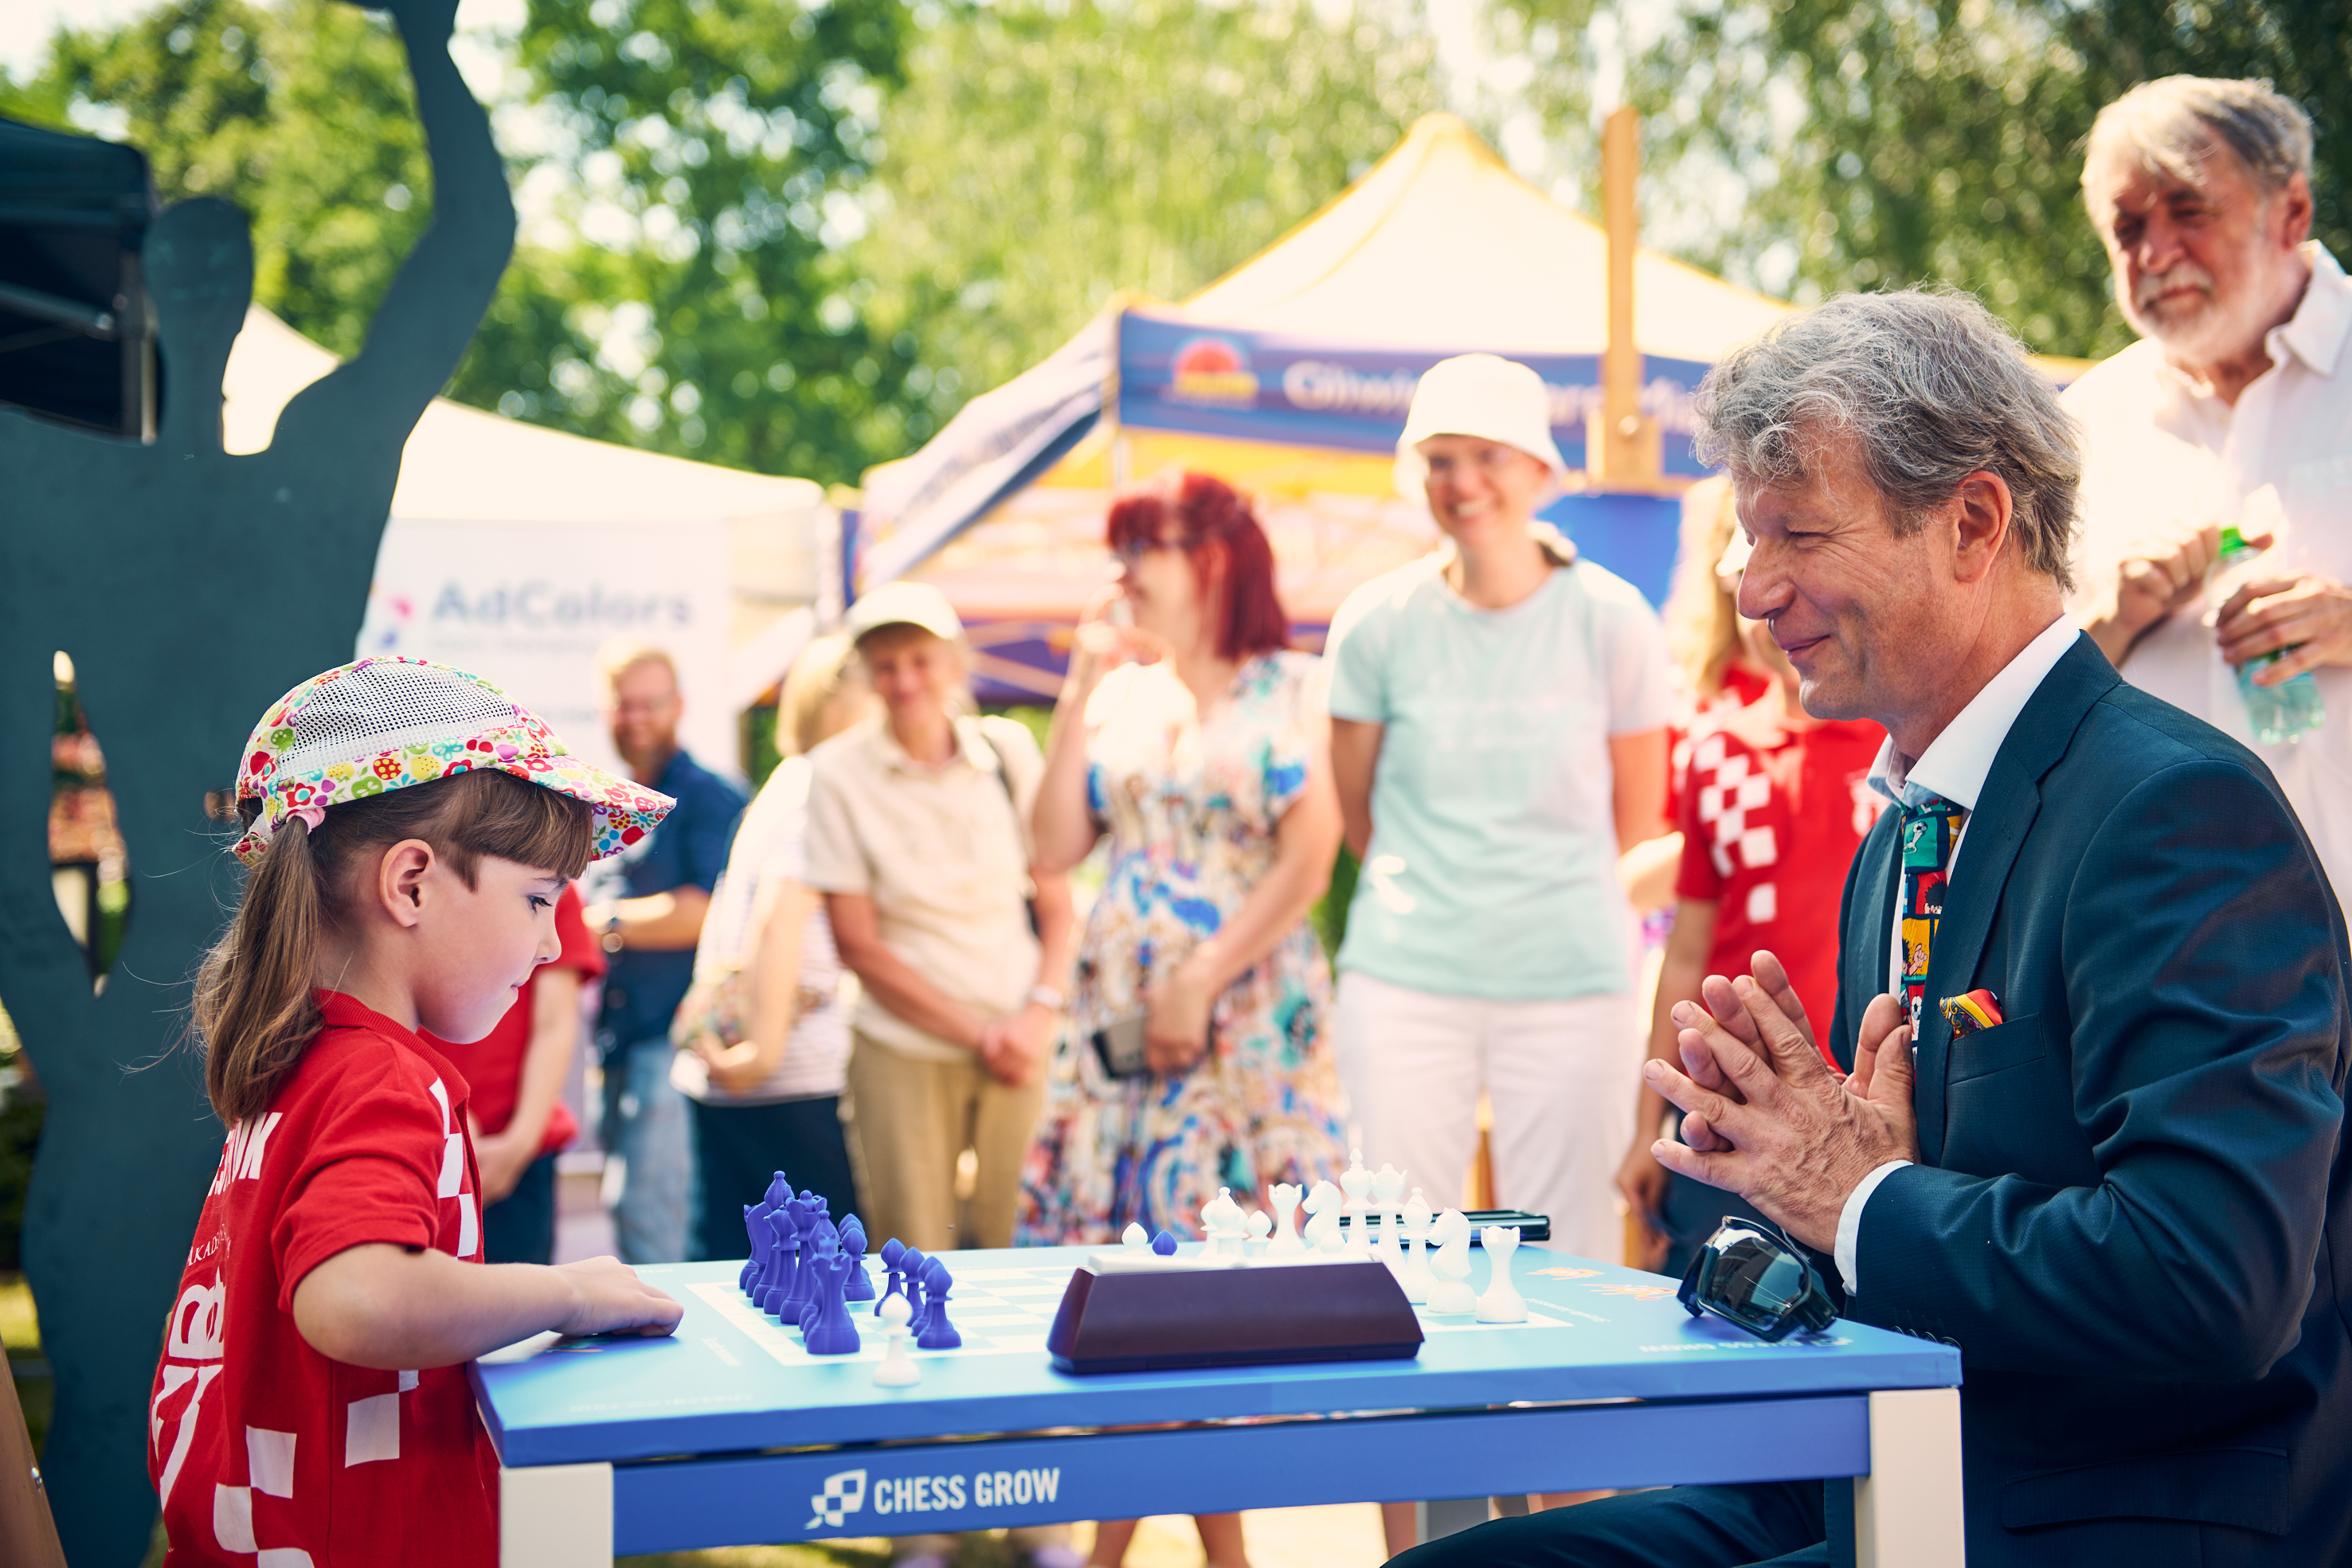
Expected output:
(2292, 210)
(1980, 510)
(401, 877)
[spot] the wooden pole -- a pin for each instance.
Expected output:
(1624, 450)
(28, 1536)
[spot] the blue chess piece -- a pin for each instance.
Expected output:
(815, 1245)
(911, 1270)
(823, 1250)
(744, 1275)
(938, 1333)
(829, 1330)
(1164, 1244)
(783, 1281)
(853, 1243)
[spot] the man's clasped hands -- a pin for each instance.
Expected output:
(1765, 1115)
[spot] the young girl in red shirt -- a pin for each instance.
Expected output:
(408, 833)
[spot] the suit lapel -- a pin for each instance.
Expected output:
(1870, 950)
(1997, 828)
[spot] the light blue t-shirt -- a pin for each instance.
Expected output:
(1492, 871)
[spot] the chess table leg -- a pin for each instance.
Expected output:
(1907, 1511)
(555, 1516)
(1449, 1516)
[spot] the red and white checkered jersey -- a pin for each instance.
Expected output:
(1772, 813)
(266, 1453)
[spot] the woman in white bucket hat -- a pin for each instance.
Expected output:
(1498, 731)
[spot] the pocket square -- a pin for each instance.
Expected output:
(1967, 1014)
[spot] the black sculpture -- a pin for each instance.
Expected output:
(190, 588)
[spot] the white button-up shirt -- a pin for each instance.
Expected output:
(2162, 450)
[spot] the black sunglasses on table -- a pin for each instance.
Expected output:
(1749, 1273)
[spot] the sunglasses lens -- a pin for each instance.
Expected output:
(1756, 1281)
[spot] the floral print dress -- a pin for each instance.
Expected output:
(1190, 807)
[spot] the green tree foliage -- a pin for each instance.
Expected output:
(1878, 144)
(712, 151)
(1043, 155)
(299, 112)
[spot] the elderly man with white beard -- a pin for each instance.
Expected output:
(2235, 410)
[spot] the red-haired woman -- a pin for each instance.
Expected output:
(1189, 733)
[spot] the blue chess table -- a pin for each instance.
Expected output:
(730, 1433)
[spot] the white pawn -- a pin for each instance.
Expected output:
(1502, 1303)
(1259, 1225)
(897, 1368)
(1135, 1239)
(1357, 1183)
(1414, 1276)
(1452, 1293)
(1323, 1219)
(1388, 1188)
(1285, 1242)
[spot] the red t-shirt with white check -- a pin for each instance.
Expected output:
(1772, 813)
(266, 1453)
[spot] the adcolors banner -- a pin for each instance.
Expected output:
(1264, 386)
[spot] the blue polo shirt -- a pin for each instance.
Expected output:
(642, 990)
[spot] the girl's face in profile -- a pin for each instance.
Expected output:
(476, 946)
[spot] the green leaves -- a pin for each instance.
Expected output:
(1814, 145)
(1043, 156)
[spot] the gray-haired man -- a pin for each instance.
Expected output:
(2113, 1174)
(2235, 408)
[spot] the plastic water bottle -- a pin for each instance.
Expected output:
(2290, 710)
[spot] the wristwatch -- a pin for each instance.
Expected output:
(1047, 996)
(611, 938)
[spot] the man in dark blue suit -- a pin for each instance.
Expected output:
(2117, 1180)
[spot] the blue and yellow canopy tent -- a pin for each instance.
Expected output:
(1291, 377)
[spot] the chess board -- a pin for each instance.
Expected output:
(999, 1312)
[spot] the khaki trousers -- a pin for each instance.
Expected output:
(908, 1119)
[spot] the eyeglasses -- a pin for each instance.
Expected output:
(1749, 1273)
(1130, 553)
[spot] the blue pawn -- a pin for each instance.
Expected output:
(938, 1333)
(1164, 1244)
(829, 1330)
(910, 1268)
(893, 1255)
(853, 1243)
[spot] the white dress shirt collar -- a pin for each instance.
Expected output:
(1956, 762)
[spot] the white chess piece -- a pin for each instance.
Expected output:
(1357, 1183)
(1221, 1226)
(1323, 1219)
(1388, 1188)
(1452, 1293)
(1259, 1224)
(1285, 1242)
(1135, 1237)
(1502, 1303)
(1414, 1276)
(896, 1368)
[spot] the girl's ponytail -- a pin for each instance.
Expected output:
(254, 1007)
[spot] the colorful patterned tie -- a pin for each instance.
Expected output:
(1930, 828)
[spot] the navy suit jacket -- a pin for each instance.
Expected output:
(2130, 1211)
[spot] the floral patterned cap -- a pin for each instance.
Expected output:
(382, 724)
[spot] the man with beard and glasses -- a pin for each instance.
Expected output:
(2234, 411)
